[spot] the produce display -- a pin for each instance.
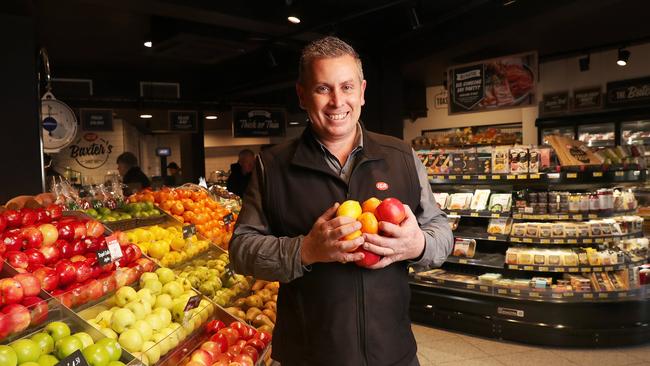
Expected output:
(137, 210)
(260, 308)
(166, 244)
(20, 304)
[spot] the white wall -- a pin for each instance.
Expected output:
(554, 76)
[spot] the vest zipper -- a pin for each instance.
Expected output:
(361, 306)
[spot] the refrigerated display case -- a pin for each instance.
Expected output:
(598, 135)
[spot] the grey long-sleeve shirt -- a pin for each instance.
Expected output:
(255, 251)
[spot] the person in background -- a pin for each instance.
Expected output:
(132, 176)
(331, 311)
(240, 172)
(174, 178)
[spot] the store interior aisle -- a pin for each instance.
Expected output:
(445, 348)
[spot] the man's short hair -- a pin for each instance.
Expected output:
(246, 152)
(327, 47)
(127, 159)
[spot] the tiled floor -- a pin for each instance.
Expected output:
(445, 348)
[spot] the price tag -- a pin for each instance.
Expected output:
(572, 241)
(188, 231)
(529, 268)
(515, 240)
(440, 281)
(528, 240)
(574, 269)
(114, 247)
(496, 177)
(462, 261)
(558, 241)
(609, 269)
(586, 269)
(534, 176)
(192, 303)
(482, 177)
(619, 174)
(513, 266)
(228, 218)
(440, 177)
(577, 217)
(622, 294)
(636, 172)
(471, 287)
(492, 238)
(474, 214)
(496, 215)
(543, 269)
(588, 296)
(599, 240)
(592, 216)
(517, 216)
(467, 177)
(522, 176)
(515, 291)
(545, 241)
(597, 174)
(452, 177)
(572, 175)
(75, 359)
(562, 217)
(484, 288)
(598, 269)
(453, 213)
(511, 177)
(558, 269)
(502, 291)
(104, 256)
(533, 294)
(568, 294)
(587, 241)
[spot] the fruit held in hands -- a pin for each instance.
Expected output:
(369, 258)
(370, 205)
(349, 208)
(369, 223)
(391, 210)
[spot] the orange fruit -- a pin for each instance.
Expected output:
(353, 235)
(177, 208)
(369, 223)
(349, 208)
(370, 204)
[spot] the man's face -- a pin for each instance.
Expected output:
(332, 94)
(247, 163)
(122, 168)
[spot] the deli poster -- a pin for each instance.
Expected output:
(503, 82)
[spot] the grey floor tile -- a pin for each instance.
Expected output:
(447, 350)
(601, 357)
(534, 358)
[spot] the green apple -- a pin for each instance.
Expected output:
(125, 295)
(108, 332)
(104, 318)
(186, 283)
(161, 341)
(171, 337)
(145, 295)
(164, 315)
(178, 311)
(137, 309)
(8, 356)
(116, 363)
(165, 275)
(96, 355)
(154, 286)
(173, 288)
(152, 351)
(122, 319)
(65, 346)
(57, 330)
(30, 363)
(147, 307)
(181, 334)
(94, 324)
(44, 341)
(145, 330)
(154, 321)
(147, 276)
(164, 301)
(46, 360)
(131, 340)
(85, 339)
(26, 350)
(112, 347)
(142, 357)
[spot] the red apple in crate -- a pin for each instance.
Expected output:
(243, 359)
(11, 291)
(32, 237)
(106, 268)
(78, 247)
(78, 258)
(47, 277)
(94, 289)
(35, 258)
(264, 337)
(202, 357)
(214, 326)
(147, 264)
(243, 330)
(252, 352)
(51, 254)
(257, 344)
(221, 341)
(13, 240)
(94, 228)
(121, 277)
(3, 247)
(66, 231)
(3, 223)
(223, 359)
(66, 271)
(17, 259)
(54, 211)
(42, 216)
(78, 293)
(65, 247)
(49, 232)
(29, 217)
(64, 297)
(108, 282)
(83, 271)
(231, 335)
(390, 210)
(212, 348)
(5, 326)
(136, 252)
(79, 230)
(122, 238)
(30, 283)
(94, 244)
(18, 316)
(13, 217)
(38, 309)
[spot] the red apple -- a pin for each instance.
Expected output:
(64, 297)
(122, 238)
(32, 237)
(264, 337)
(17, 259)
(201, 357)
(95, 244)
(136, 252)
(35, 257)
(29, 217)
(214, 326)
(231, 335)
(108, 282)
(234, 350)
(14, 218)
(391, 210)
(50, 233)
(13, 240)
(257, 344)
(37, 307)
(11, 291)
(65, 247)
(94, 289)
(79, 230)
(66, 271)
(5, 326)
(3, 223)
(78, 258)
(30, 283)
(47, 277)
(78, 292)
(244, 359)
(241, 329)
(369, 258)
(78, 247)
(54, 211)
(51, 254)
(83, 271)
(66, 231)
(18, 316)
(94, 228)
(147, 264)
(42, 216)
(127, 254)
(221, 341)
(251, 351)
(222, 360)
(212, 348)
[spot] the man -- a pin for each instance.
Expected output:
(132, 176)
(240, 172)
(331, 311)
(174, 177)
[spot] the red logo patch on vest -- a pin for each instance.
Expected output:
(382, 186)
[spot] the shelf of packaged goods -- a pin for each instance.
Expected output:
(487, 260)
(573, 269)
(546, 295)
(592, 240)
(570, 216)
(566, 177)
(480, 235)
(470, 213)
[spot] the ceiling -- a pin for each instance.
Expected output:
(246, 51)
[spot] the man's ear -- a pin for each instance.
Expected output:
(300, 91)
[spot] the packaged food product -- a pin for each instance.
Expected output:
(594, 228)
(544, 159)
(500, 202)
(464, 247)
(570, 230)
(558, 230)
(555, 258)
(500, 159)
(539, 258)
(484, 160)
(459, 201)
(518, 229)
(533, 160)
(480, 200)
(545, 230)
(511, 255)
(583, 229)
(525, 258)
(569, 258)
(442, 199)
(518, 159)
(499, 226)
(532, 230)
(489, 278)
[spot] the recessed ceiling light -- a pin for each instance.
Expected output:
(211, 116)
(293, 19)
(293, 123)
(146, 116)
(148, 44)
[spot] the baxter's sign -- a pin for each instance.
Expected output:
(91, 151)
(628, 92)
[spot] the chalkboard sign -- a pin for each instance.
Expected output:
(193, 302)
(189, 230)
(628, 92)
(555, 102)
(588, 98)
(96, 119)
(258, 122)
(104, 256)
(468, 87)
(75, 359)
(183, 121)
(228, 218)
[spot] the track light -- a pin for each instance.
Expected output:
(584, 63)
(148, 44)
(293, 15)
(413, 18)
(623, 57)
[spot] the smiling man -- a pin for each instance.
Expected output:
(331, 311)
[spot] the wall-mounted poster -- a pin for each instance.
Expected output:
(258, 121)
(503, 82)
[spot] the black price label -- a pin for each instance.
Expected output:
(228, 218)
(75, 359)
(189, 230)
(193, 302)
(104, 256)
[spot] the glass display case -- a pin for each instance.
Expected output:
(597, 135)
(568, 131)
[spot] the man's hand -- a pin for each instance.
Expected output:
(322, 244)
(399, 242)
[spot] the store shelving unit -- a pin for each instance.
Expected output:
(525, 314)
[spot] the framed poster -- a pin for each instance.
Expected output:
(96, 119)
(183, 121)
(258, 121)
